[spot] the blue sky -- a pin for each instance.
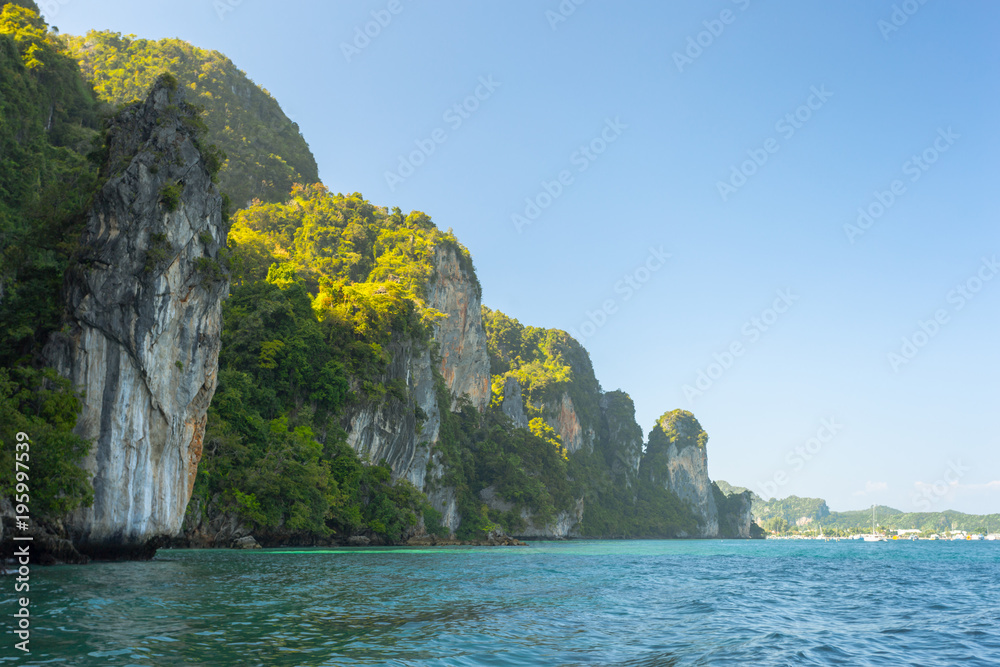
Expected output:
(669, 99)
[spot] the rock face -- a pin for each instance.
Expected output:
(735, 513)
(142, 341)
(513, 404)
(465, 363)
(403, 433)
(565, 524)
(622, 437)
(566, 423)
(677, 458)
(390, 429)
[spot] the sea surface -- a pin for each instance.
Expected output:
(774, 602)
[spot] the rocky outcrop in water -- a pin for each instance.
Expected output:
(735, 513)
(677, 458)
(144, 319)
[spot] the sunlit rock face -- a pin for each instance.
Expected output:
(461, 338)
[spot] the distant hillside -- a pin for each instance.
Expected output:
(888, 517)
(729, 489)
(792, 509)
(795, 511)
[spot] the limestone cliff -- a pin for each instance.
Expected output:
(621, 441)
(677, 458)
(461, 339)
(735, 513)
(144, 318)
(404, 433)
(562, 416)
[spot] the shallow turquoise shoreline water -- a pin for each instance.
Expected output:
(556, 603)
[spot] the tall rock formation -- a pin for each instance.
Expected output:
(144, 319)
(677, 458)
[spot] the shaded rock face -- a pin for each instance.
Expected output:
(565, 524)
(388, 430)
(622, 441)
(677, 458)
(735, 514)
(142, 341)
(210, 528)
(513, 404)
(689, 480)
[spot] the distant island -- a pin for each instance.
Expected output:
(805, 516)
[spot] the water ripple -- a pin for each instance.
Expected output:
(634, 604)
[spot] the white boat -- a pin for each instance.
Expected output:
(873, 537)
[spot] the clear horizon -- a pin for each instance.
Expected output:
(779, 220)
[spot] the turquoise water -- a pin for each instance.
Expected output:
(563, 603)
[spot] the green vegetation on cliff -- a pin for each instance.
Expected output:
(266, 153)
(549, 364)
(48, 126)
(322, 286)
(48, 122)
(43, 407)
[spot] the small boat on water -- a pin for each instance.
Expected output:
(874, 537)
